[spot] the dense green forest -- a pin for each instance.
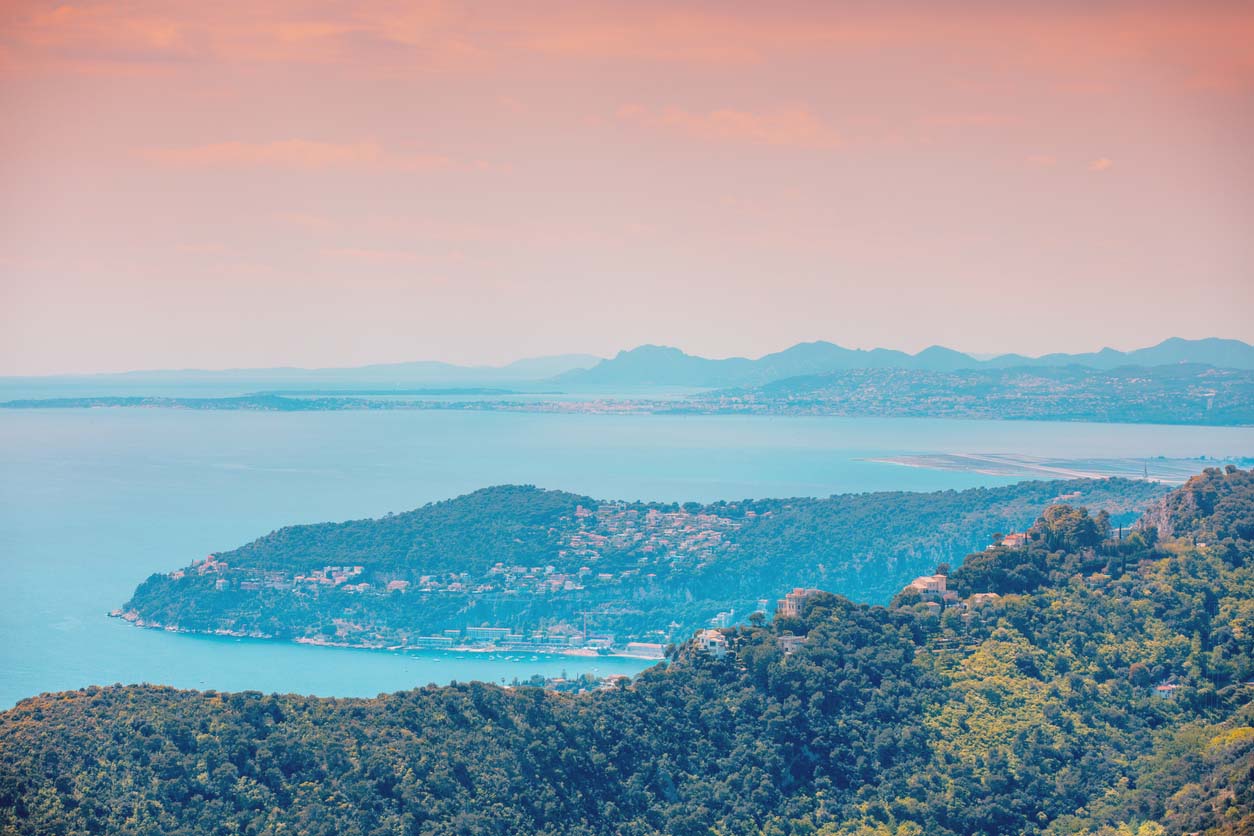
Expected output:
(1091, 681)
(521, 557)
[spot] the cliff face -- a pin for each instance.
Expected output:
(1215, 504)
(1158, 517)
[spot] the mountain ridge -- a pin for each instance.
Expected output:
(402, 375)
(648, 365)
(665, 365)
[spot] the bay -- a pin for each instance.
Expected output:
(94, 500)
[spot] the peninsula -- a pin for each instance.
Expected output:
(519, 568)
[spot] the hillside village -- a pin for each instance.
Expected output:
(599, 550)
(516, 568)
(613, 544)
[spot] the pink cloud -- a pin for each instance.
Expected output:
(667, 37)
(298, 154)
(1101, 164)
(303, 220)
(200, 249)
(372, 255)
(1204, 46)
(788, 127)
(113, 36)
(962, 120)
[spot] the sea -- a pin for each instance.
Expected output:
(92, 501)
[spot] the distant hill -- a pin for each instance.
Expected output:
(534, 368)
(1212, 351)
(284, 378)
(654, 365)
(658, 365)
(646, 365)
(665, 366)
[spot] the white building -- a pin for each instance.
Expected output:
(712, 642)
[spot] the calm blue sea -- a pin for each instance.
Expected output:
(92, 501)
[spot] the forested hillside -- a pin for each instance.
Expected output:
(1083, 683)
(520, 557)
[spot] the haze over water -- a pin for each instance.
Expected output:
(93, 501)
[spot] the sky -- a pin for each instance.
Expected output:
(192, 184)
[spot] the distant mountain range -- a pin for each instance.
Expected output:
(664, 366)
(382, 377)
(419, 371)
(647, 365)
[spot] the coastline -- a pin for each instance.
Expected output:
(985, 465)
(1161, 470)
(132, 618)
(617, 406)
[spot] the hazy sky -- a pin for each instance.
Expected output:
(221, 184)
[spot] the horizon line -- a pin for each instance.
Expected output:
(981, 356)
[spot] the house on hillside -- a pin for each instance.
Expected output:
(790, 605)
(929, 587)
(789, 644)
(712, 642)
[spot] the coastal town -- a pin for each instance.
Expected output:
(659, 541)
(564, 640)
(599, 553)
(1184, 393)
(518, 569)
(607, 583)
(663, 539)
